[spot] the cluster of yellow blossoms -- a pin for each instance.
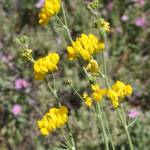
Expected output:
(84, 46)
(54, 118)
(116, 93)
(44, 65)
(51, 7)
(97, 95)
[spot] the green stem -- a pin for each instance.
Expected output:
(88, 76)
(123, 119)
(66, 24)
(77, 92)
(99, 114)
(54, 92)
(106, 124)
(71, 137)
(67, 141)
(125, 128)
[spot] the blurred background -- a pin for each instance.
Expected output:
(23, 100)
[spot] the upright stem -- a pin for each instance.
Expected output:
(122, 118)
(99, 114)
(54, 92)
(106, 124)
(66, 24)
(125, 128)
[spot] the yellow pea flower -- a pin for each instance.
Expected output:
(88, 100)
(98, 93)
(50, 8)
(54, 118)
(84, 46)
(113, 97)
(92, 66)
(44, 65)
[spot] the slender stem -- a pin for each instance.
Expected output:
(66, 24)
(54, 92)
(124, 117)
(105, 79)
(106, 124)
(77, 92)
(67, 141)
(71, 137)
(99, 114)
(125, 128)
(88, 76)
(60, 21)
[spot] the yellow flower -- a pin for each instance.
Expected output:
(128, 90)
(84, 46)
(118, 91)
(44, 65)
(88, 100)
(97, 92)
(122, 89)
(51, 7)
(71, 53)
(113, 97)
(92, 66)
(119, 88)
(54, 118)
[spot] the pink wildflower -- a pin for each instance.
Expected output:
(21, 84)
(140, 21)
(124, 18)
(39, 4)
(140, 2)
(133, 113)
(16, 109)
(109, 6)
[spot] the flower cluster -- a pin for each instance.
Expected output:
(44, 65)
(51, 7)
(84, 46)
(118, 91)
(96, 95)
(54, 118)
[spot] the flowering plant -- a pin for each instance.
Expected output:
(85, 47)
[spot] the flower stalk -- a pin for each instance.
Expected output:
(121, 117)
(54, 92)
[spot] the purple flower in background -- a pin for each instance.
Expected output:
(133, 113)
(118, 29)
(21, 84)
(140, 21)
(39, 4)
(140, 2)
(5, 57)
(124, 18)
(109, 6)
(16, 109)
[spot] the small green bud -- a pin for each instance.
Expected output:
(94, 5)
(27, 54)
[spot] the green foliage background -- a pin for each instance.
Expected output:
(128, 54)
